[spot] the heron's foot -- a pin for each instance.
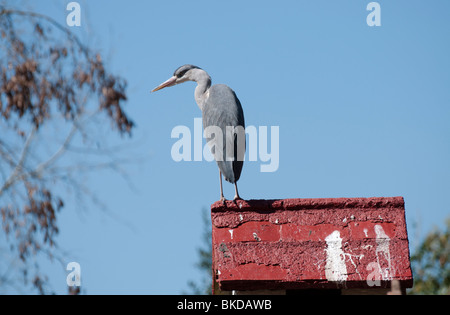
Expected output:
(222, 199)
(237, 197)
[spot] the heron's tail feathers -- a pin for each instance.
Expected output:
(231, 170)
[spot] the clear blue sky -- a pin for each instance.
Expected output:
(362, 111)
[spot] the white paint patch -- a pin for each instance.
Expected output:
(335, 269)
(231, 233)
(365, 232)
(241, 217)
(383, 253)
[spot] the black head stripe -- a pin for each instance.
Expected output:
(181, 71)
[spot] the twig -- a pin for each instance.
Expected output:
(12, 178)
(58, 153)
(50, 20)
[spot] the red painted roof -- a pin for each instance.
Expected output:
(310, 243)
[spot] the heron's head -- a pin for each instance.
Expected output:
(182, 74)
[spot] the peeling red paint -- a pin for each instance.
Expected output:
(283, 244)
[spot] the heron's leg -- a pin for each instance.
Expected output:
(236, 196)
(222, 198)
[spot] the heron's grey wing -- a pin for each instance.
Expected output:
(223, 109)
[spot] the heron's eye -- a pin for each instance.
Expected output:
(182, 73)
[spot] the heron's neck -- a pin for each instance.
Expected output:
(203, 84)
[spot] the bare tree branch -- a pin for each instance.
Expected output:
(50, 82)
(19, 167)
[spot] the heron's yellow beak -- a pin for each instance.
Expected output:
(167, 83)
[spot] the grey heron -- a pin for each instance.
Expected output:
(220, 109)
